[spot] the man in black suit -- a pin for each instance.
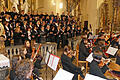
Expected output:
(66, 59)
(83, 50)
(7, 33)
(95, 68)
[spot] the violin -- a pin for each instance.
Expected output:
(103, 62)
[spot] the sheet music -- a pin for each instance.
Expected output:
(4, 61)
(63, 75)
(47, 57)
(90, 58)
(53, 62)
(112, 51)
(91, 77)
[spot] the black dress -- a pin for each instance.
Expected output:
(17, 38)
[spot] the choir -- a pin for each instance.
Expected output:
(39, 27)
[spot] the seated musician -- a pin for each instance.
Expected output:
(28, 48)
(100, 43)
(15, 60)
(37, 63)
(96, 68)
(24, 70)
(39, 58)
(83, 50)
(66, 59)
(115, 42)
(118, 58)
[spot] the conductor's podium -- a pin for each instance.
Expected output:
(4, 66)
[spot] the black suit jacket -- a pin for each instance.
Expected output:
(83, 52)
(69, 66)
(96, 70)
(118, 60)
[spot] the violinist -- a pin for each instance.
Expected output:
(95, 68)
(94, 65)
(83, 50)
(118, 58)
(37, 63)
(100, 43)
(66, 58)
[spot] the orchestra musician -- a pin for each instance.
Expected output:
(95, 66)
(37, 63)
(118, 58)
(66, 58)
(83, 50)
(24, 70)
(28, 48)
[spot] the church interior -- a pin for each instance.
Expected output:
(59, 39)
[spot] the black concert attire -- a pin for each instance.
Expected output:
(35, 35)
(8, 35)
(52, 35)
(70, 67)
(58, 37)
(64, 38)
(73, 32)
(83, 51)
(118, 60)
(17, 38)
(78, 32)
(96, 70)
(42, 36)
(48, 38)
